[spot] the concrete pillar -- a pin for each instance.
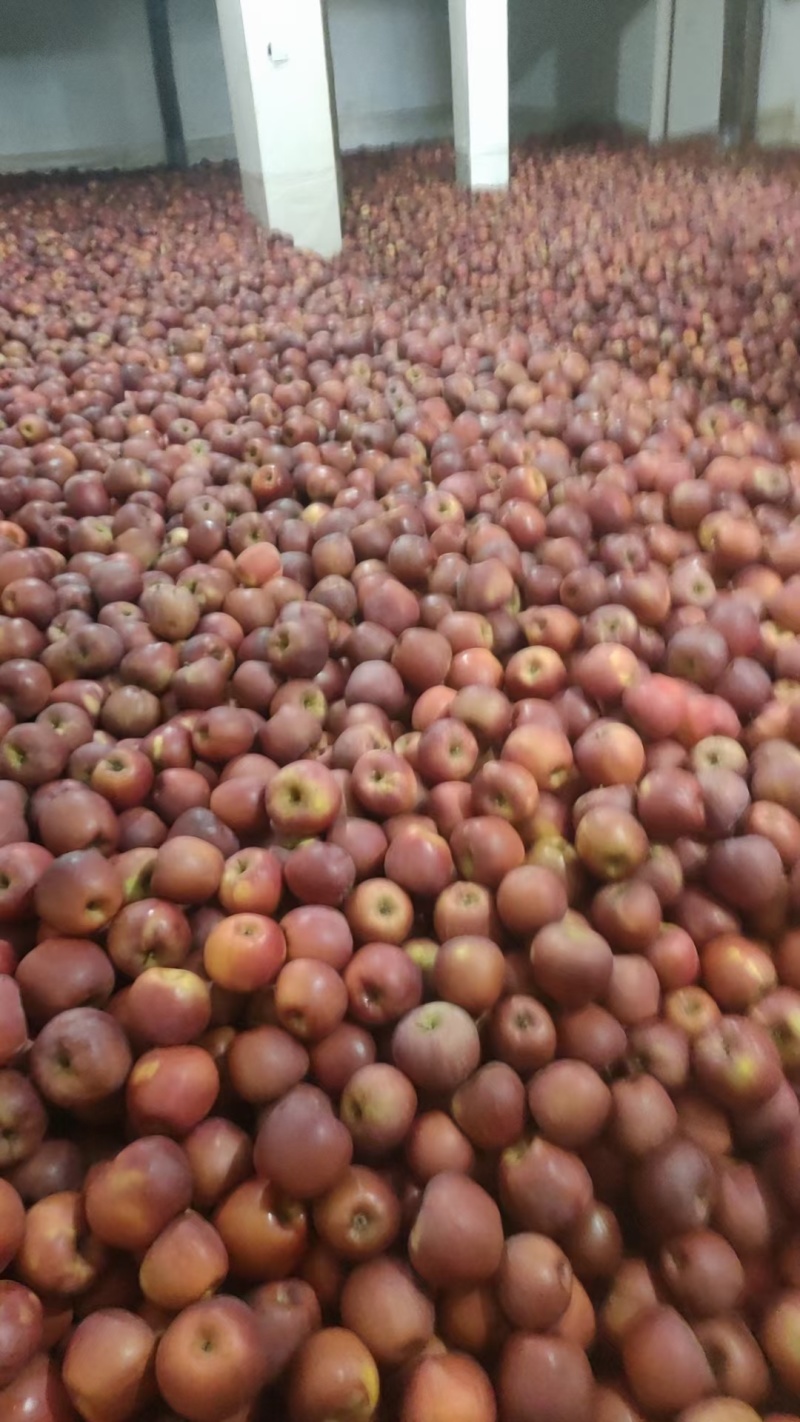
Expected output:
(277, 69)
(479, 56)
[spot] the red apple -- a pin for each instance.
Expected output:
(209, 1361)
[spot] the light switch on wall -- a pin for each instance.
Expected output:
(278, 53)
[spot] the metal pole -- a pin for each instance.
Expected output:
(670, 64)
(164, 71)
(741, 71)
(334, 109)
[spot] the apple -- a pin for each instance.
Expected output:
(319, 873)
(550, 1374)
(310, 999)
(133, 1195)
(13, 1024)
(188, 869)
(333, 1375)
(23, 1118)
(534, 1282)
(290, 733)
(79, 893)
(56, 1165)
(220, 1157)
(379, 910)
(384, 783)
(21, 867)
(339, 1055)
(703, 1273)
(288, 1311)
(737, 1062)
(302, 799)
(32, 754)
(528, 898)
(522, 1033)
(148, 933)
(664, 1363)
(263, 1232)
(384, 1305)
(469, 971)
(59, 1254)
(454, 1209)
(244, 952)
(675, 1185)
(363, 840)
(358, 1217)
(543, 1188)
(378, 1104)
(463, 907)
(79, 1057)
(420, 862)
(37, 1391)
(570, 1103)
(301, 1147)
(611, 843)
(571, 962)
(209, 1361)
(447, 751)
(239, 803)
(436, 1046)
(21, 1328)
(383, 982)
(171, 1089)
(318, 931)
(124, 777)
(501, 787)
(108, 1367)
(490, 1107)
(265, 1062)
(485, 848)
(12, 1223)
(168, 1007)
(438, 1385)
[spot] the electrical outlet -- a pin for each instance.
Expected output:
(278, 54)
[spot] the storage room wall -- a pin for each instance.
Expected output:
(571, 62)
(200, 77)
(575, 63)
(76, 82)
(697, 70)
(391, 61)
(76, 85)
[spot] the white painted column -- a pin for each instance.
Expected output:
(698, 45)
(479, 54)
(276, 67)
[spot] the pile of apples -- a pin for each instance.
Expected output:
(400, 801)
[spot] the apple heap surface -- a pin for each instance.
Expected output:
(400, 798)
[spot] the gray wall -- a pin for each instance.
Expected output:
(697, 70)
(76, 83)
(77, 87)
(391, 60)
(577, 62)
